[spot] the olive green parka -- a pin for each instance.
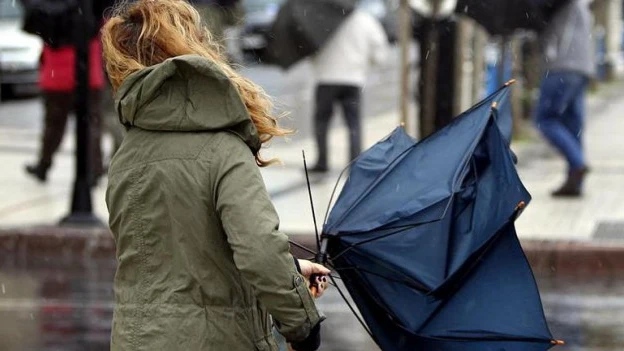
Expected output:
(201, 263)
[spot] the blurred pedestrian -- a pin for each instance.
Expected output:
(201, 263)
(57, 82)
(560, 115)
(341, 68)
(53, 21)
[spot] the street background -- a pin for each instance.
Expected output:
(55, 282)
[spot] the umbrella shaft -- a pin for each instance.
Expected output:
(321, 256)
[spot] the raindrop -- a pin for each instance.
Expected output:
(305, 12)
(52, 73)
(13, 3)
(32, 316)
(3, 290)
(527, 15)
(427, 55)
(552, 268)
(578, 135)
(466, 9)
(343, 11)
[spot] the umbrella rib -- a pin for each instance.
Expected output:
(409, 281)
(357, 316)
(379, 303)
(406, 226)
(305, 167)
(401, 229)
(356, 268)
(302, 247)
(333, 193)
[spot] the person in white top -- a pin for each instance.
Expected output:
(341, 68)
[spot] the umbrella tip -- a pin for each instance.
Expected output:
(521, 205)
(494, 104)
(557, 342)
(510, 82)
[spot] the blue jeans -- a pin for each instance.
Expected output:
(561, 112)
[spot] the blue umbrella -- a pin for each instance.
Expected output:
(423, 238)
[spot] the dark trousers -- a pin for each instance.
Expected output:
(349, 98)
(58, 105)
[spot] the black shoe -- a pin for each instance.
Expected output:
(38, 171)
(319, 169)
(573, 185)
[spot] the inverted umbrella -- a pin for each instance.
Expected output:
(423, 238)
(302, 27)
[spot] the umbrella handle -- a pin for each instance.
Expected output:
(313, 283)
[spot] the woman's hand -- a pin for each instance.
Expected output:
(309, 269)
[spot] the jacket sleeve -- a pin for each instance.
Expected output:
(261, 252)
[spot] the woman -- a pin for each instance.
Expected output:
(201, 264)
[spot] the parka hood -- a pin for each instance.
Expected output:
(185, 94)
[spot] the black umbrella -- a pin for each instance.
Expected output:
(302, 27)
(503, 17)
(56, 21)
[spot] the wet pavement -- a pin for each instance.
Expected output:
(60, 302)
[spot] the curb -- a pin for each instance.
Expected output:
(28, 247)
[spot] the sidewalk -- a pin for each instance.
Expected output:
(597, 216)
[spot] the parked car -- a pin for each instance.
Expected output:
(260, 15)
(19, 52)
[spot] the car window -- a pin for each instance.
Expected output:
(10, 9)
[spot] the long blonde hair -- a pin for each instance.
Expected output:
(143, 33)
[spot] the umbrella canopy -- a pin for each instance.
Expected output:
(504, 17)
(302, 27)
(423, 237)
(55, 21)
